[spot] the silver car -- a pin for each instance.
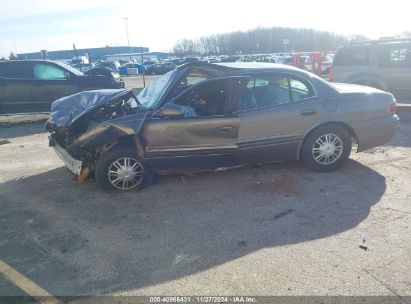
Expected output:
(382, 64)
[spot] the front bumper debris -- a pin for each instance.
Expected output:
(71, 163)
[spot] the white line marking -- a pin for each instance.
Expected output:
(27, 285)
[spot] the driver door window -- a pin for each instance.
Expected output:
(208, 99)
(189, 80)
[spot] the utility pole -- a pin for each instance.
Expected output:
(128, 39)
(142, 64)
(75, 52)
(286, 42)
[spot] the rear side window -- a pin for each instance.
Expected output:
(394, 56)
(352, 56)
(43, 71)
(14, 70)
(273, 90)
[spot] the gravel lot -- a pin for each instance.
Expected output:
(277, 229)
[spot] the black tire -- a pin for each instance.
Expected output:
(312, 148)
(107, 161)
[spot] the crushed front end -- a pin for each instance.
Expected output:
(86, 125)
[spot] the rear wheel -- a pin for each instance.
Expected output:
(121, 169)
(326, 148)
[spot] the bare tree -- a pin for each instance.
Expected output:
(12, 56)
(262, 40)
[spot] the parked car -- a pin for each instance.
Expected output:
(160, 68)
(106, 72)
(32, 85)
(204, 116)
(383, 64)
(123, 69)
(319, 63)
(114, 65)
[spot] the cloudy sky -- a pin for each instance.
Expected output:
(31, 25)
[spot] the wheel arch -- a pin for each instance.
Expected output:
(341, 124)
(369, 79)
(133, 141)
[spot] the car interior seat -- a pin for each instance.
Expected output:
(246, 100)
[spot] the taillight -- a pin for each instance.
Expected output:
(331, 76)
(393, 107)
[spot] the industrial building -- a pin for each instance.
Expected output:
(94, 54)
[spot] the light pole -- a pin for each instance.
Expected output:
(128, 39)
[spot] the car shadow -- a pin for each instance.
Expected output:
(403, 138)
(74, 239)
(20, 129)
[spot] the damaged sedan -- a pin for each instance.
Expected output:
(204, 116)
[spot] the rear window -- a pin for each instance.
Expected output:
(48, 72)
(352, 56)
(14, 70)
(394, 56)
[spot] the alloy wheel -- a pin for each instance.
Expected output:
(125, 173)
(327, 149)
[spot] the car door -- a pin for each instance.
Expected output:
(14, 86)
(394, 63)
(50, 82)
(205, 136)
(275, 112)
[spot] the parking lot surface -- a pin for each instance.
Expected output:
(276, 229)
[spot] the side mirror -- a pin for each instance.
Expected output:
(171, 110)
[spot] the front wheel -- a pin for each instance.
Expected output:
(326, 148)
(121, 169)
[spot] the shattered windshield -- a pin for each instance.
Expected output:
(151, 94)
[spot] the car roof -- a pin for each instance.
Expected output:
(234, 67)
(257, 65)
(31, 60)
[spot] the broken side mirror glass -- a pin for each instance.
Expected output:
(171, 110)
(132, 103)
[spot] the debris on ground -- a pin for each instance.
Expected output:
(275, 217)
(285, 185)
(365, 248)
(284, 213)
(242, 243)
(4, 141)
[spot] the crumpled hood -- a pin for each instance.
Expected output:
(66, 110)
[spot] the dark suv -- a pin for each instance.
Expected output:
(383, 64)
(32, 85)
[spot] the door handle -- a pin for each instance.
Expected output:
(225, 129)
(310, 111)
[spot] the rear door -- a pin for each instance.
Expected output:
(206, 137)
(275, 112)
(50, 82)
(15, 87)
(394, 61)
(352, 64)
